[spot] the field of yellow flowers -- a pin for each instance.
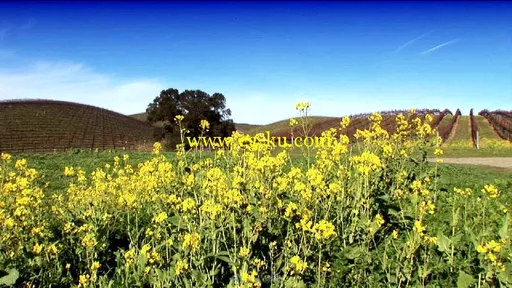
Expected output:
(364, 215)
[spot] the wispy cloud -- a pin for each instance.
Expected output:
(439, 46)
(76, 82)
(413, 40)
(7, 28)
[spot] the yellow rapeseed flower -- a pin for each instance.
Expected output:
(69, 171)
(95, 266)
(431, 240)
(191, 241)
(491, 191)
(160, 218)
(52, 249)
(5, 156)
(302, 106)
(37, 248)
(188, 204)
(379, 220)
(345, 122)
(83, 280)
(181, 266)
(418, 227)
(290, 210)
(324, 230)
(204, 125)
(298, 264)
(244, 252)
(129, 257)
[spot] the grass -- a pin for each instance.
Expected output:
(455, 151)
(456, 223)
(446, 121)
(51, 167)
(463, 130)
(471, 176)
(461, 144)
(485, 130)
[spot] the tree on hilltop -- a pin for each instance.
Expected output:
(194, 105)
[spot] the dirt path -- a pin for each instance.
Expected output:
(503, 162)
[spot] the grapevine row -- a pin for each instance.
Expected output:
(474, 127)
(361, 122)
(444, 132)
(46, 125)
(501, 123)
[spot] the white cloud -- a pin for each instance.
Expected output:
(439, 46)
(412, 41)
(76, 82)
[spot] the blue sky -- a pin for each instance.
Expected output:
(343, 57)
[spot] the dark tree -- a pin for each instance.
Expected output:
(194, 105)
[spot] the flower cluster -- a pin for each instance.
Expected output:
(248, 216)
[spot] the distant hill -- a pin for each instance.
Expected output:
(455, 130)
(47, 125)
(284, 125)
(318, 123)
(140, 116)
(245, 128)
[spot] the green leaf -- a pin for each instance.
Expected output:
(464, 280)
(456, 239)
(224, 256)
(199, 277)
(352, 252)
(294, 282)
(506, 276)
(187, 282)
(10, 278)
(175, 220)
(443, 243)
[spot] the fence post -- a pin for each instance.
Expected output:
(476, 140)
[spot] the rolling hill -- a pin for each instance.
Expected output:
(47, 125)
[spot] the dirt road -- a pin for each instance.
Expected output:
(503, 162)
